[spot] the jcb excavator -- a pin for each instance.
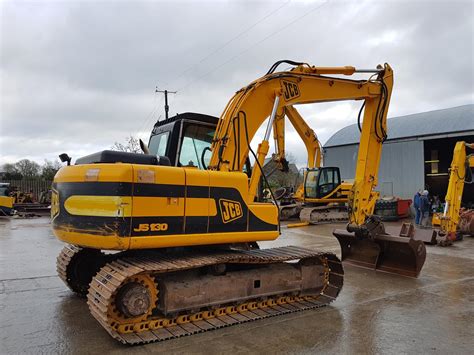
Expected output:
(188, 261)
(459, 171)
(322, 196)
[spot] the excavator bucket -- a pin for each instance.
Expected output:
(402, 254)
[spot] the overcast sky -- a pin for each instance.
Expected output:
(76, 76)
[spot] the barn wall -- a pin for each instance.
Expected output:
(401, 170)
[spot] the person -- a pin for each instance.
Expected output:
(424, 208)
(416, 205)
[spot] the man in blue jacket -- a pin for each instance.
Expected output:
(425, 209)
(416, 205)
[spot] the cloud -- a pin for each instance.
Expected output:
(77, 76)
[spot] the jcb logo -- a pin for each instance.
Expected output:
(290, 90)
(230, 210)
(152, 227)
(54, 204)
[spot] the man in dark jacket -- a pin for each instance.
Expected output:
(416, 205)
(425, 209)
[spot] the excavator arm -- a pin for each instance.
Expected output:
(307, 135)
(460, 165)
(373, 134)
(271, 96)
(365, 243)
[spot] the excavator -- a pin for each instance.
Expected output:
(163, 249)
(460, 168)
(322, 196)
(6, 201)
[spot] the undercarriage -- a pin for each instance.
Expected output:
(155, 295)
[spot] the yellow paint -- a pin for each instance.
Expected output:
(88, 240)
(199, 206)
(85, 239)
(296, 225)
(6, 201)
(196, 207)
(107, 173)
(163, 241)
(121, 206)
(162, 174)
(436, 220)
(157, 206)
(461, 161)
(267, 212)
(100, 206)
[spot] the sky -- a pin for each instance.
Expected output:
(77, 76)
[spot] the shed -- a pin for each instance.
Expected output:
(416, 155)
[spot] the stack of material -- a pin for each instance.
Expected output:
(466, 221)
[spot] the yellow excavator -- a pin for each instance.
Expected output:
(322, 196)
(6, 201)
(187, 260)
(459, 171)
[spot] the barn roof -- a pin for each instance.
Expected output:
(432, 123)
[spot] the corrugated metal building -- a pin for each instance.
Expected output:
(417, 153)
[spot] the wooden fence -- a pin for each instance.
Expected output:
(26, 186)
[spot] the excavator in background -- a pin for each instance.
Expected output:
(187, 257)
(449, 219)
(322, 196)
(6, 201)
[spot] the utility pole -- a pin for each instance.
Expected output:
(166, 92)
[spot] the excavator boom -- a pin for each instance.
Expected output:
(460, 170)
(365, 242)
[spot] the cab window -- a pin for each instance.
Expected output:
(196, 139)
(329, 179)
(158, 143)
(311, 183)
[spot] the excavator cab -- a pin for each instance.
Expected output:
(184, 139)
(321, 182)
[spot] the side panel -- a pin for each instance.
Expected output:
(227, 190)
(91, 205)
(198, 207)
(158, 200)
(156, 206)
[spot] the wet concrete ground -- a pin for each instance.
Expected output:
(375, 312)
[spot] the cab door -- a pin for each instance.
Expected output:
(320, 182)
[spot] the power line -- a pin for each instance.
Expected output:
(253, 45)
(150, 116)
(230, 41)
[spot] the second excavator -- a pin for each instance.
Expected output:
(460, 173)
(187, 260)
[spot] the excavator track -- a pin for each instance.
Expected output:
(144, 269)
(76, 266)
(63, 260)
(324, 214)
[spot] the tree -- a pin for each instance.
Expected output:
(49, 169)
(28, 169)
(11, 172)
(131, 145)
